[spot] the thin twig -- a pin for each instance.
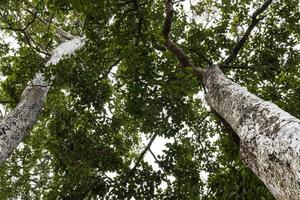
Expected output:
(142, 154)
(23, 31)
(157, 161)
(132, 171)
(36, 45)
(34, 14)
(63, 35)
(110, 68)
(154, 156)
(204, 117)
(243, 40)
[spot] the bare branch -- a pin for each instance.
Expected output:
(29, 40)
(110, 68)
(261, 9)
(154, 156)
(132, 171)
(169, 19)
(32, 20)
(38, 47)
(243, 40)
(32, 43)
(181, 56)
(204, 118)
(63, 35)
(142, 154)
(157, 161)
(34, 14)
(26, 26)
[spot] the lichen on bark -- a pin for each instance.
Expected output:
(269, 136)
(15, 125)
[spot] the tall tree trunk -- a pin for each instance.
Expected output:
(20, 120)
(269, 136)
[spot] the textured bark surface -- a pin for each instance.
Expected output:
(20, 120)
(269, 136)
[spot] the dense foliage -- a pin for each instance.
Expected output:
(124, 86)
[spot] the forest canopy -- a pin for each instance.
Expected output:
(125, 90)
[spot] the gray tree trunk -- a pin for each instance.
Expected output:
(269, 136)
(15, 125)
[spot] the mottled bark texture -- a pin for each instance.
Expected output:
(20, 120)
(269, 136)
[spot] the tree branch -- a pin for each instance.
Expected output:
(131, 172)
(181, 56)
(243, 40)
(26, 26)
(35, 45)
(154, 156)
(157, 161)
(34, 14)
(204, 118)
(63, 35)
(142, 154)
(31, 42)
(110, 68)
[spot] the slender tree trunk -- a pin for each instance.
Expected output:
(20, 120)
(269, 136)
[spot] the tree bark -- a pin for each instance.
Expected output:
(269, 136)
(15, 125)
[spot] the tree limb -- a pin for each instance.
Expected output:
(110, 68)
(63, 35)
(157, 161)
(34, 14)
(181, 56)
(154, 156)
(243, 40)
(132, 171)
(30, 41)
(142, 154)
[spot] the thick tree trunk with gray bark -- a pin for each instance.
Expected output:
(20, 120)
(269, 136)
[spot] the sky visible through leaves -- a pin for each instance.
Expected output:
(124, 88)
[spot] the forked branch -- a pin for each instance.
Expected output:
(141, 156)
(242, 41)
(63, 35)
(10, 27)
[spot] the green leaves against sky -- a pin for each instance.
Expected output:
(125, 84)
